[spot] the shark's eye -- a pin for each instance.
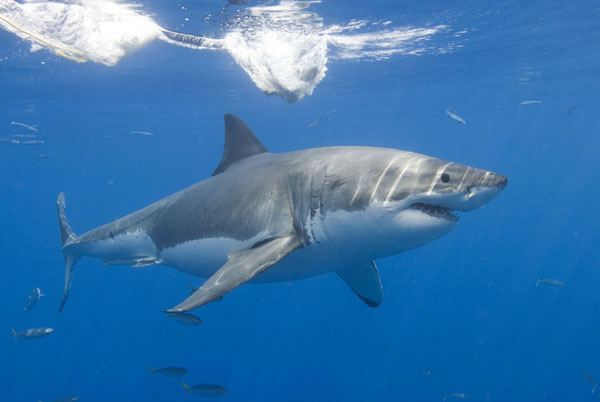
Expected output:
(445, 177)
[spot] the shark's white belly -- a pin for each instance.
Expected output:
(203, 257)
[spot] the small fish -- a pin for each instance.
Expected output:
(106, 137)
(34, 298)
(530, 102)
(322, 119)
(27, 126)
(457, 396)
(144, 133)
(590, 378)
(454, 116)
(169, 371)
(207, 390)
(24, 136)
(41, 156)
(67, 399)
(32, 333)
(186, 319)
(570, 110)
(550, 281)
(15, 141)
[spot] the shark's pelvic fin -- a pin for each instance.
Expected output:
(241, 267)
(68, 237)
(364, 280)
(240, 143)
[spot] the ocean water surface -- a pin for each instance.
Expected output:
(119, 106)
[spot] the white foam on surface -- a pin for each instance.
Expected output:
(284, 48)
(102, 31)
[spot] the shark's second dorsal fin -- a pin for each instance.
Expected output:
(240, 143)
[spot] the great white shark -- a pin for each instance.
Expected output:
(269, 217)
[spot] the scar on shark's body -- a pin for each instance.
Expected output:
(307, 212)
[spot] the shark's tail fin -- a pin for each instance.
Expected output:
(185, 386)
(67, 237)
(14, 332)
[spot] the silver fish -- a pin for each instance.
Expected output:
(455, 117)
(590, 378)
(169, 371)
(530, 102)
(27, 126)
(67, 399)
(206, 390)
(550, 282)
(34, 298)
(32, 333)
(459, 395)
(322, 119)
(17, 141)
(31, 142)
(144, 133)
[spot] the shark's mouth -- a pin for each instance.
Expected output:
(436, 211)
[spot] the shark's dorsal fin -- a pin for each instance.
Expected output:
(240, 143)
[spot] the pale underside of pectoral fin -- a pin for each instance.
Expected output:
(364, 281)
(241, 267)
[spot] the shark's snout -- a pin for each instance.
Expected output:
(483, 191)
(495, 180)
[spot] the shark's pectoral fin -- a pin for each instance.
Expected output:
(364, 280)
(241, 267)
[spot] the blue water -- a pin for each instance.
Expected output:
(460, 315)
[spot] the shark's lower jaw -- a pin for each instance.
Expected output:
(436, 211)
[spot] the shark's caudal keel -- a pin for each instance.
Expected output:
(275, 217)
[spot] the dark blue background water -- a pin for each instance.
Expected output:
(462, 314)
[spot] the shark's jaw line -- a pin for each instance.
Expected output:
(435, 211)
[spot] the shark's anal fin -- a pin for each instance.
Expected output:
(364, 280)
(241, 267)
